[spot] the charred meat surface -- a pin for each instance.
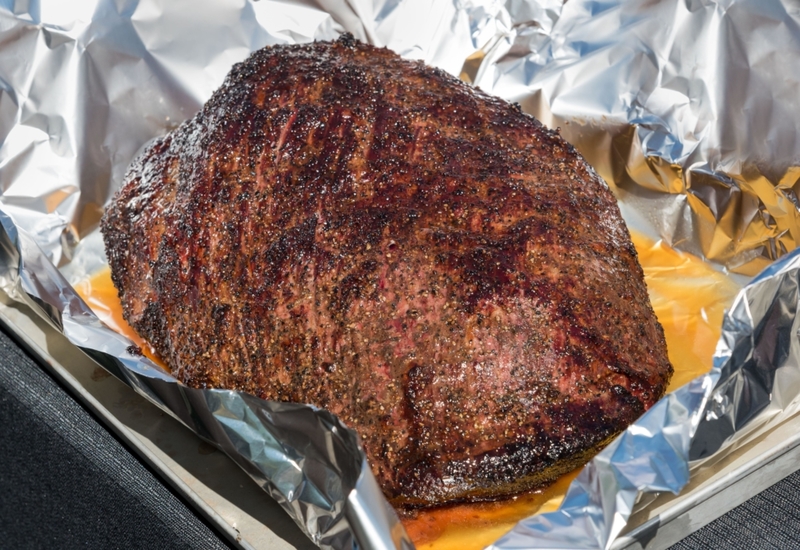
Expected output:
(342, 227)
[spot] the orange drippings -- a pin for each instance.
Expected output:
(689, 298)
(100, 294)
(467, 526)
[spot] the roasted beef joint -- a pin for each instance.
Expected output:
(343, 227)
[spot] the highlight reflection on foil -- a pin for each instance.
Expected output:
(687, 105)
(687, 108)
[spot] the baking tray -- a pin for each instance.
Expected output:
(250, 519)
(716, 490)
(216, 487)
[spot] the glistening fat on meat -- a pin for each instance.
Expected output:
(343, 227)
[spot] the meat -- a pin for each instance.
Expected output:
(342, 227)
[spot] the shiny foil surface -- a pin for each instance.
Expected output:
(688, 108)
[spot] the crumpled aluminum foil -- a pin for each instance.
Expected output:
(686, 107)
(304, 457)
(755, 380)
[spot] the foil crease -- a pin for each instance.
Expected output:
(686, 107)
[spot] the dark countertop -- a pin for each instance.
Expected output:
(67, 482)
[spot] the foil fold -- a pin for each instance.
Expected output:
(687, 108)
(304, 457)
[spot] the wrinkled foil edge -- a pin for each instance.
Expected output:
(758, 350)
(302, 456)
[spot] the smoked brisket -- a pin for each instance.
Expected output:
(343, 227)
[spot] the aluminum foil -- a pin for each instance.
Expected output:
(687, 108)
(304, 457)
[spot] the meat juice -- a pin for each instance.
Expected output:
(100, 294)
(689, 298)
